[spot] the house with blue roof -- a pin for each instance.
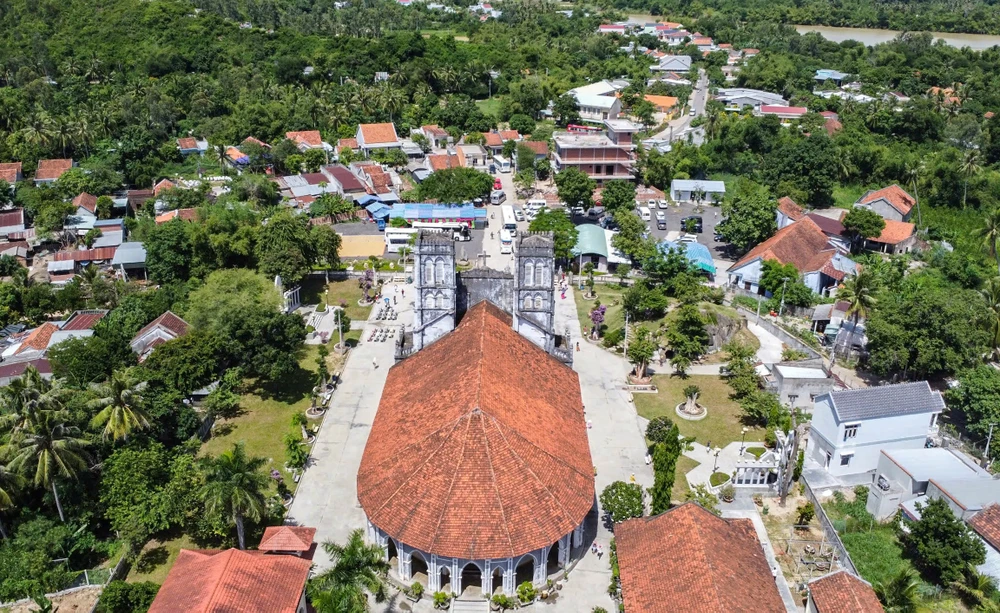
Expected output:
(696, 253)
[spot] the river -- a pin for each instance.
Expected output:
(871, 36)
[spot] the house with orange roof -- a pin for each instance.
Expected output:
(891, 202)
(437, 136)
(163, 184)
(372, 136)
(663, 104)
(842, 592)
(788, 212)
(308, 139)
(192, 146)
(11, 172)
(182, 214)
(50, 170)
(896, 237)
(164, 328)
(444, 161)
(289, 540)
(821, 264)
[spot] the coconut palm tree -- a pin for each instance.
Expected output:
(991, 294)
(234, 486)
(970, 167)
(120, 400)
(25, 398)
(989, 233)
(358, 569)
(9, 482)
(859, 293)
(899, 594)
(913, 170)
(47, 450)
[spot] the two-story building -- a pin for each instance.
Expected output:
(737, 98)
(603, 156)
(597, 102)
(891, 202)
(851, 428)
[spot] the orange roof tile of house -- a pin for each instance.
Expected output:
(493, 139)
(895, 195)
(183, 214)
(791, 210)
(347, 143)
(38, 339)
(86, 201)
(832, 125)
(255, 141)
(842, 592)
(662, 102)
(162, 185)
(442, 161)
(52, 169)
(9, 171)
(493, 467)
(510, 135)
(695, 561)
(168, 321)
(538, 146)
(187, 143)
(802, 243)
(435, 130)
(287, 538)
(895, 232)
(310, 138)
(378, 133)
(986, 523)
(227, 581)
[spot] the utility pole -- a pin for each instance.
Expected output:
(989, 439)
(781, 307)
(626, 335)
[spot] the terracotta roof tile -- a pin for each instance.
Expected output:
(162, 185)
(187, 143)
(799, 243)
(792, 210)
(52, 169)
(85, 201)
(496, 466)
(230, 581)
(9, 171)
(255, 141)
(435, 130)
(441, 161)
(832, 125)
(167, 321)
(378, 133)
(347, 143)
(895, 232)
(695, 561)
(287, 538)
(539, 147)
(310, 138)
(183, 214)
(493, 139)
(895, 195)
(83, 320)
(510, 135)
(986, 523)
(842, 592)
(38, 339)
(662, 102)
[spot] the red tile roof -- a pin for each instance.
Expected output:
(378, 133)
(230, 581)
(99, 254)
(539, 147)
(791, 210)
(832, 125)
(493, 139)
(345, 177)
(348, 143)
(695, 561)
(162, 185)
(783, 110)
(8, 371)
(52, 169)
(441, 161)
(12, 218)
(255, 141)
(85, 201)
(895, 195)
(799, 243)
(842, 592)
(510, 135)
(986, 523)
(168, 321)
(9, 171)
(183, 214)
(832, 227)
(83, 320)
(38, 339)
(895, 232)
(435, 130)
(467, 456)
(311, 138)
(187, 143)
(287, 538)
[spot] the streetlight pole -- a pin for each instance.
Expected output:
(715, 466)
(743, 439)
(626, 335)
(781, 307)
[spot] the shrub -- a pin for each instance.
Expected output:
(299, 419)
(526, 592)
(295, 452)
(622, 501)
(658, 428)
(804, 514)
(770, 438)
(441, 599)
(728, 493)
(122, 597)
(613, 338)
(504, 602)
(797, 471)
(790, 354)
(417, 589)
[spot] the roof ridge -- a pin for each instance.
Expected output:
(219, 580)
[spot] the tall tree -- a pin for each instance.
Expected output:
(575, 187)
(358, 569)
(665, 456)
(989, 233)
(748, 215)
(859, 292)
(234, 486)
(940, 544)
(10, 481)
(991, 295)
(120, 402)
(969, 168)
(861, 223)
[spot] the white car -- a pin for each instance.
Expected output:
(651, 203)
(689, 238)
(660, 216)
(663, 204)
(579, 210)
(518, 215)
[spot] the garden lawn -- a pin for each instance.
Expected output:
(348, 291)
(157, 558)
(844, 196)
(721, 427)
(681, 487)
(266, 418)
(490, 106)
(614, 317)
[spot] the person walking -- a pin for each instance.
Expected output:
(374, 363)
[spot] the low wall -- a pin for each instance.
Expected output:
(784, 336)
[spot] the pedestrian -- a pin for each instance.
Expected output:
(593, 548)
(632, 478)
(393, 301)
(578, 345)
(374, 363)
(404, 292)
(600, 552)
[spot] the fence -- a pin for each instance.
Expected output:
(94, 577)
(829, 530)
(781, 333)
(795, 311)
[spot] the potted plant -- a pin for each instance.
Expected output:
(526, 592)
(415, 592)
(442, 600)
(501, 602)
(727, 493)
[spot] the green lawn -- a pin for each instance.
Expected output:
(347, 292)
(445, 34)
(490, 106)
(608, 294)
(681, 488)
(722, 426)
(266, 417)
(844, 196)
(157, 558)
(188, 168)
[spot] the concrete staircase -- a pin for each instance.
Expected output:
(478, 605)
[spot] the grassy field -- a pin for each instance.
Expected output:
(490, 106)
(844, 196)
(347, 292)
(157, 558)
(445, 34)
(681, 488)
(608, 294)
(722, 426)
(266, 417)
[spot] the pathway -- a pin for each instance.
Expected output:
(728, 458)
(618, 448)
(327, 497)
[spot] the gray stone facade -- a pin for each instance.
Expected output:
(436, 287)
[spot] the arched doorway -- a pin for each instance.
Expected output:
(471, 581)
(392, 555)
(552, 561)
(496, 581)
(418, 568)
(525, 571)
(446, 580)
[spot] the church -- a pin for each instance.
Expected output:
(477, 474)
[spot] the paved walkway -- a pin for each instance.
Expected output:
(728, 458)
(327, 497)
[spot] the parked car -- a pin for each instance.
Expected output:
(689, 238)
(518, 215)
(660, 216)
(579, 210)
(663, 204)
(651, 203)
(697, 224)
(661, 224)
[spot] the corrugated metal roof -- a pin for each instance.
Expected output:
(590, 240)
(885, 401)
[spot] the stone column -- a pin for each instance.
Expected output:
(456, 576)
(564, 551)
(404, 563)
(433, 574)
(578, 535)
(541, 564)
(509, 576)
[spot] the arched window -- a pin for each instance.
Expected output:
(539, 271)
(428, 301)
(428, 272)
(529, 269)
(439, 270)
(538, 301)
(440, 301)
(527, 302)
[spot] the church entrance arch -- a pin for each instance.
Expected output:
(418, 568)
(392, 555)
(496, 581)
(525, 571)
(471, 580)
(446, 580)
(552, 561)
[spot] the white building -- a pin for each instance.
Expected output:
(691, 190)
(798, 386)
(738, 97)
(851, 428)
(673, 63)
(597, 101)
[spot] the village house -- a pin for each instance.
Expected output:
(841, 592)
(593, 246)
(821, 263)
(797, 384)
(851, 428)
(443, 161)
(436, 135)
(191, 146)
(308, 139)
(538, 147)
(164, 328)
(663, 104)
(673, 63)
(130, 258)
(471, 155)
(11, 222)
(737, 98)
(11, 172)
(688, 560)
(696, 190)
(611, 28)
(603, 157)
(345, 181)
(350, 144)
(891, 202)
(373, 136)
(597, 102)
(785, 113)
(788, 212)
(50, 170)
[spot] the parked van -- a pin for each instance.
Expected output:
(498, 197)
(536, 204)
(502, 163)
(644, 213)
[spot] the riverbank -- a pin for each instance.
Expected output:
(874, 36)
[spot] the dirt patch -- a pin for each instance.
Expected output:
(79, 601)
(802, 552)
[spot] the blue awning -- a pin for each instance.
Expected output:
(377, 210)
(696, 253)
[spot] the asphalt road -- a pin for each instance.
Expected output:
(680, 127)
